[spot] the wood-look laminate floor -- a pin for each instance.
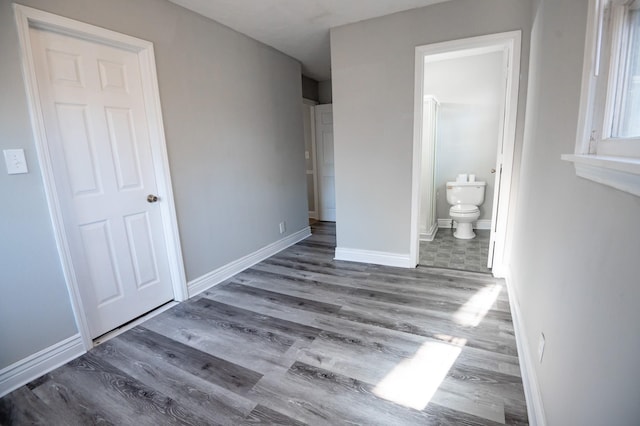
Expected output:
(301, 339)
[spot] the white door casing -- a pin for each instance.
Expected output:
(504, 193)
(499, 172)
(325, 163)
(96, 117)
(308, 119)
(428, 220)
(509, 43)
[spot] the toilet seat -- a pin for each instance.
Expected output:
(464, 209)
(464, 215)
(465, 199)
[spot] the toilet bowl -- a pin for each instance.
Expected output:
(464, 215)
(465, 197)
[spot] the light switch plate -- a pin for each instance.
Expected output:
(16, 163)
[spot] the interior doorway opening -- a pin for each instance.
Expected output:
(319, 160)
(466, 94)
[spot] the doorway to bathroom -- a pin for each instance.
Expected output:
(465, 108)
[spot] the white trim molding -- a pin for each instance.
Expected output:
(34, 366)
(446, 223)
(313, 214)
(509, 43)
(27, 18)
(535, 406)
(376, 257)
(430, 234)
(225, 272)
(479, 224)
(597, 157)
(622, 173)
(483, 224)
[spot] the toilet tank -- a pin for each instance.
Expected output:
(466, 193)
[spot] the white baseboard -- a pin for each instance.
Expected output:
(34, 366)
(430, 234)
(535, 407)
(480, 224)
(445, 224)
(225, 272)
(483, 224)
(375, 257)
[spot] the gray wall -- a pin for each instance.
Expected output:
(231, 109)
(575, 256)
(470, 91)
(373, 88)
(35, 310)
(324, 92)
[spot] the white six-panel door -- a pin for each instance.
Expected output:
(326, 168)
(98, 139)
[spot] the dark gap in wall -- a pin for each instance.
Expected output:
(310, 89)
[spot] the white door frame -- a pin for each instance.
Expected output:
(313, 214)
(510, 44)
(27, 18)
(322, 216)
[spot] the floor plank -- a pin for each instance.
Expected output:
(198, 395)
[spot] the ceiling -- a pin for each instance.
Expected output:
(299, 28)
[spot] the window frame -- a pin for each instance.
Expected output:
(597, 156)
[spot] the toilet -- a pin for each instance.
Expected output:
(465, 197)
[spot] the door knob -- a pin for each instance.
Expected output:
(152, 198)
(493, 170)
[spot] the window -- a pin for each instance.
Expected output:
(626, 124)
(608, 145)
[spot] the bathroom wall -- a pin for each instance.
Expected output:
(471, 92)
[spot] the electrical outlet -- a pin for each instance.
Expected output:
(283, 227)
(541, 347)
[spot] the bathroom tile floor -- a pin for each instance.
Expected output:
(446, 251)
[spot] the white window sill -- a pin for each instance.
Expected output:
(622, 173)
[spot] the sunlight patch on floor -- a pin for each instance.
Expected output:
(475, 309)
(414, 381)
